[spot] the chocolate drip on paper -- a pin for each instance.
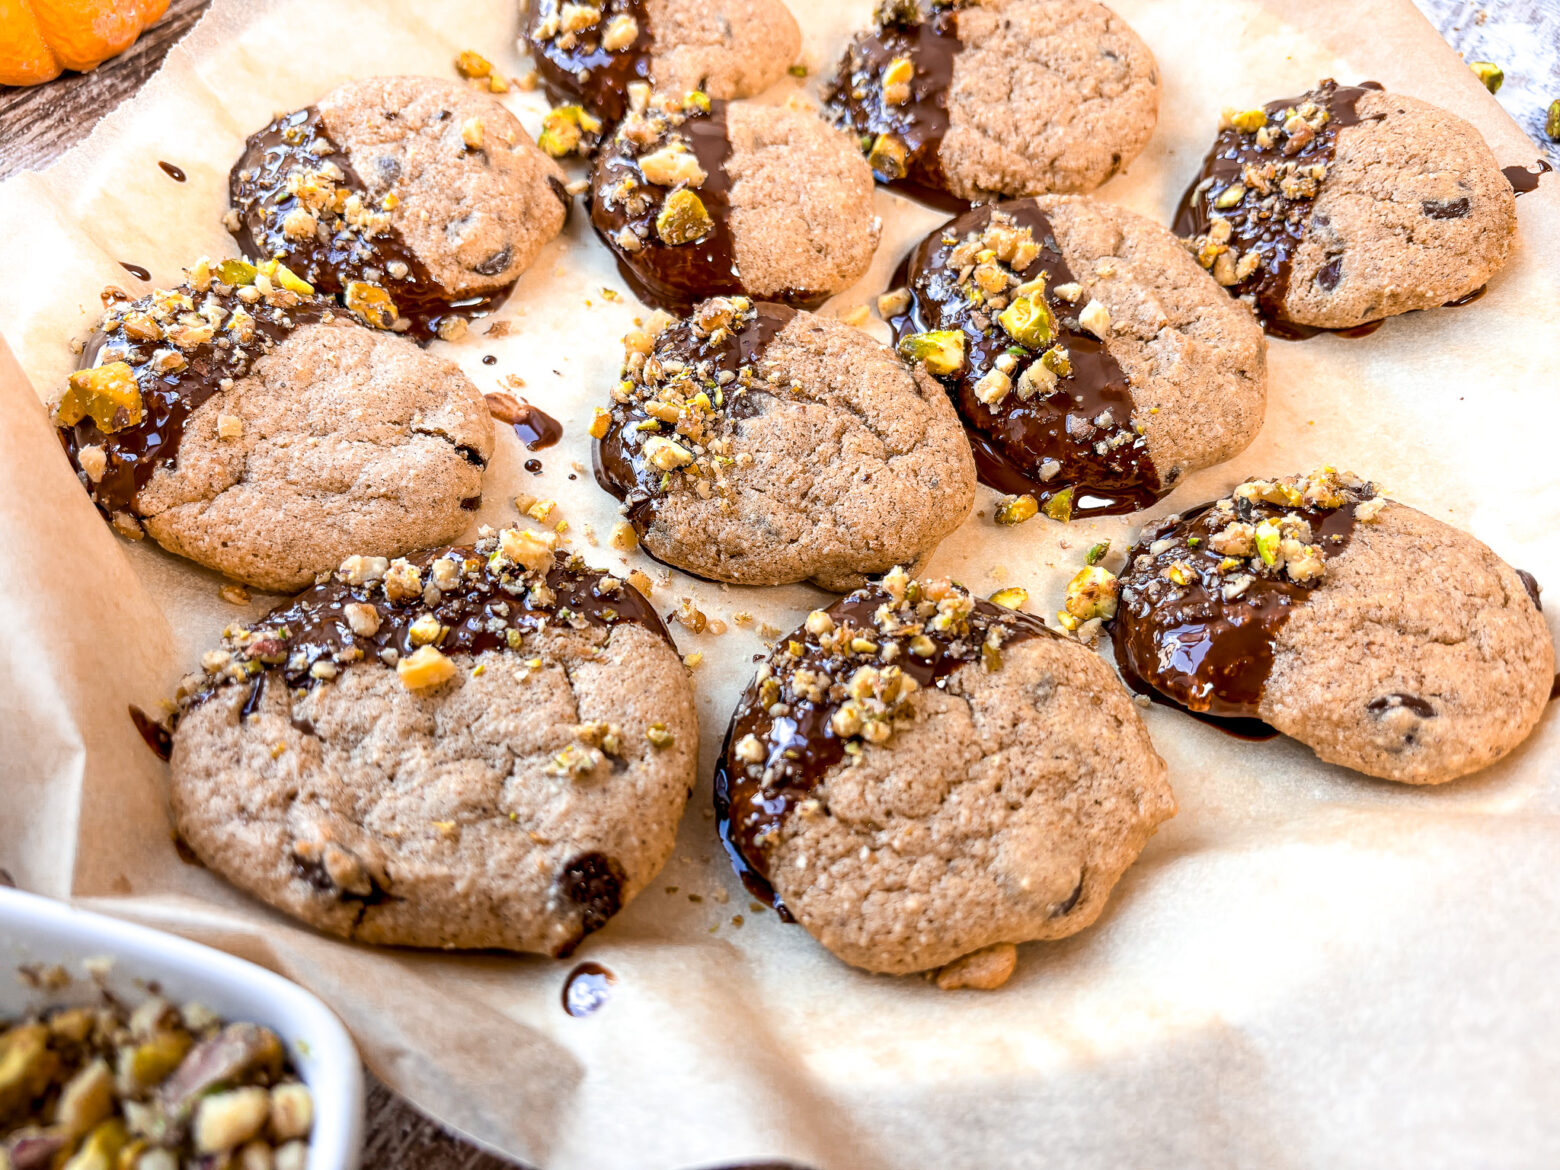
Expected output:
(1192, 645)
(1524, 181)
(1270, 225)
(336, 255)
(483, 611)
(853, 99)
(133, 453)
(595, 77)
(1013, 438)
(618, 457)
(801, 745)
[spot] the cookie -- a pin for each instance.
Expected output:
(420, 202)
(485, 746)
(1092, 362)
(756, 444)
(1384, 640)
(592, 54)
(1346, 205)
(975, 100)
(700, 198)
(916, 775)
(248, 424)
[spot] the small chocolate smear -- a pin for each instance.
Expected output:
(587, 988)
(172, 171)
(1061, 429)
(618, 458)
(471, 503)
(1524, 181)
(534, 466)
(537, 429)
(252, 700)
(135, 270)
(1447, 208)
(928, 37)
(1467, 298)
(1200, 626)
(329, 259)
(156, 735)
(495, 263)
(489, 360)
(1530, 583)
(1262, 182)
(1328, 275)
(1383, 703)
(593, 882)
(584, 71)
(753, 800)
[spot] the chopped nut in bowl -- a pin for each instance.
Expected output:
(123, 1048)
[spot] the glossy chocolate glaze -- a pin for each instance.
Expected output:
(173, 172)
(853, 98)
(802, 745)
(1013, 439)
(1271, 225)
(675, 277)
(134, 453)
(616, 457)
(1524, 181)
(154, 734)
(480, 613)
(1196, 648)
(257, 187)
(135, 270)
(587, 989)
(534, 426)
(596, 78)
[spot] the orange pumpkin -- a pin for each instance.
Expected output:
(39, 39)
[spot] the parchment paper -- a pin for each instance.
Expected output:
(1306, 968)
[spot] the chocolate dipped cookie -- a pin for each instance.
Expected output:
(1346, 205)
(484, 746)
(917, 776)
(592, 53)
(978, 99)
(418, 202)
(249, 424)
(700, 198)
(1092, 362)
(758, 444)
(1384, 640)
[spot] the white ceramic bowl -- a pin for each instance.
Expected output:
(40, 930)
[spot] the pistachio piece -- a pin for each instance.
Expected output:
(108, 394)
(682, 219)
(27, 1065)
(102, 1148)
(280, 274)
(372, 303)
(622, 31)
(565, 130)
(534, 550)
(666, 454)
(1489, 73)
(1093, 593)
(941, 350)
(1268, 537)
(896, 81)
(1060, 506)
(427, 666)
(226, 1120)
(887, 156)
(1029, 320)
(1230, 196)
(87, 1098)
(1013, 597)
(1096, 553)
(473, 65)
(1247, 121)
(1017, 510)
(1552, 121)
(236, 273)
(674, 163)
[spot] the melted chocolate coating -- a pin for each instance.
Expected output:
(617, 457)
(257, 186)
(1012, 439)
(802, 745)
(853, 98)
(674, 277)
(1269, 225)
(480, 614)
(1198, 649)
(595, 77)
(134, 453)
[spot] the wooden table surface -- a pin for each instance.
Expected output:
(40, 123)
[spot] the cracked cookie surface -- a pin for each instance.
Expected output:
(984, 782)
(1384, 640)
(785, 447)
(499, 760)
(261, 433)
